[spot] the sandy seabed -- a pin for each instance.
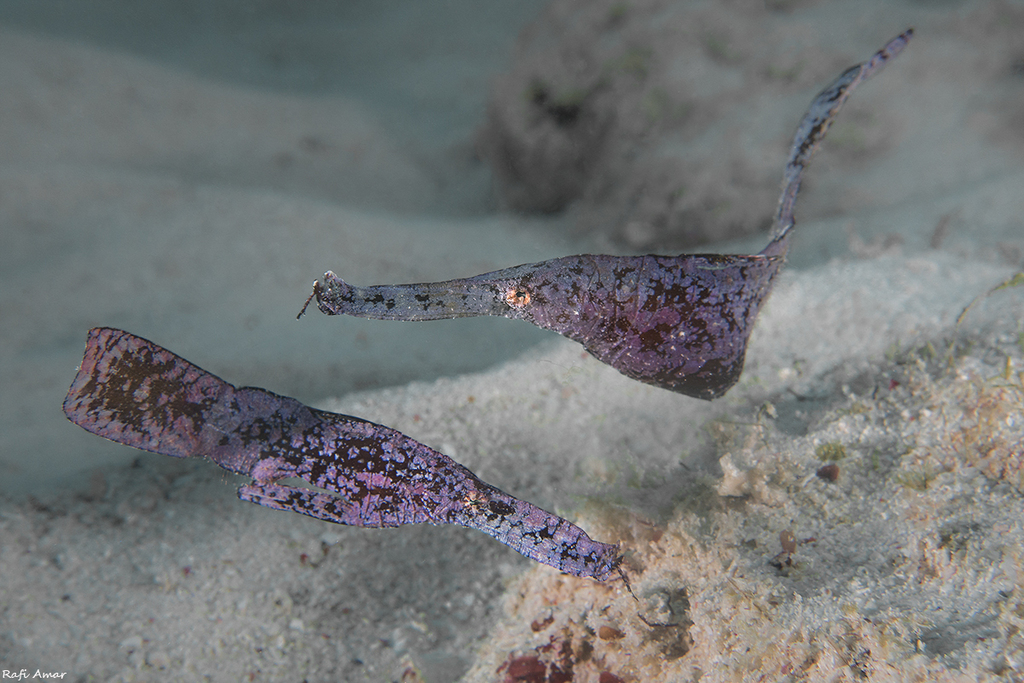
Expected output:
(851, 510)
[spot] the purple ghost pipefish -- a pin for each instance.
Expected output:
(131, 391)
(677, 322)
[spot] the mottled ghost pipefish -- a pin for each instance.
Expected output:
(131, 391)
(680, 323)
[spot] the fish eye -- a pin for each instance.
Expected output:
(475, 500)
(517, 297)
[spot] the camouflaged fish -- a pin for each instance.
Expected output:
(131, 391)
(679, 322)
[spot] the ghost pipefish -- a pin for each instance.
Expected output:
(680, 323)
(131, 391)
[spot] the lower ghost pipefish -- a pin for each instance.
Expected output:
(131, 391)
(677, 322)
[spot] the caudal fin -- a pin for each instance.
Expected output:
(131, 391)
(811, 132)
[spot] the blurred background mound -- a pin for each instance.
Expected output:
(662, 125)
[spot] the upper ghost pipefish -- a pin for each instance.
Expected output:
(131, 391)
(677, 322)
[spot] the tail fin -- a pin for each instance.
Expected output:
(136, 393)
(812, 129)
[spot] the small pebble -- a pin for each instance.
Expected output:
(829, 472)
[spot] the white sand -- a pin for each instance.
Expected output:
(167, 195)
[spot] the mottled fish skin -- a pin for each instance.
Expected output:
(134, 392)
(680, 323)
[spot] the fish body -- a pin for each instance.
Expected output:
(680, 323)
(131, 391)
(676, 322)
